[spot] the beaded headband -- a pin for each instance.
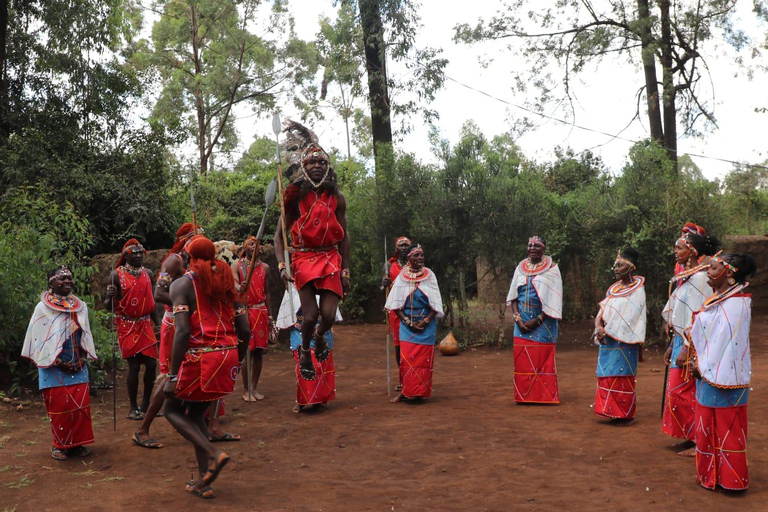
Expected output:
(720, 260)
(620, 259)
(536, 240)
(134, 249)
(63, 271)
(403, 241)
(314, 152)
(415, 250)
(688, 244)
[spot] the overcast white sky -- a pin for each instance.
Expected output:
(606, 98)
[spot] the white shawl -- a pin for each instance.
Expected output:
(685, 300)
(623, 312)
(548, 285)
(720, 335)
(284, 318)
(49, 329)
(403, 287)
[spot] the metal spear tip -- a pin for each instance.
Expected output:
(269, 196)
(276, 126)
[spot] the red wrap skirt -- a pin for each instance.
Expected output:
(416, 367)
(721, 447)
(135, 336)
(69, 408)
(320, 390)
(679, 406)
(258, 318)
(616, 397)
(535, 372)
(208, 375)
(167, 332)
(394, 327)
(322, 268)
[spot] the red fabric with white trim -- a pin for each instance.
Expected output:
(416, 368)
(320, 390)
(616, 397)
(680, 406)
(535, 373)
(721, 447)
(69, 409)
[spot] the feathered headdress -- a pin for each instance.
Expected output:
(297, 139)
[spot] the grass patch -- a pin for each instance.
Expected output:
(89, 472)
(24, 481)
(20, 454)
(31, 442)
(4, 469)
(112, 479)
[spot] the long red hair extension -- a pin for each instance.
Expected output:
(214, 276)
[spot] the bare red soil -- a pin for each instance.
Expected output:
(467, 448)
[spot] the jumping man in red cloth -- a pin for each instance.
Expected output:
(259, 319)
(58, 341)
(206, 353)
(397, 262)
(129, 296)
(315, 213)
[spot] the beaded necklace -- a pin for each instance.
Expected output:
(717, 298)
(619, 289)
(134, 271)
(61, 302)
(530, 268)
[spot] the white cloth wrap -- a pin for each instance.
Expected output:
(49, 329)
(402, 288)
(720, 335)
(548, 286)
(685, 300)
(624, 316)
(284, 318)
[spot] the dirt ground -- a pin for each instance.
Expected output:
(468, 448)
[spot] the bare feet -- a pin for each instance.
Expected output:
(398, 398)
(690, 452)
(298, 408)
(254, 396)
(306, 365)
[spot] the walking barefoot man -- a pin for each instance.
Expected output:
(258, 312)
(315, 213)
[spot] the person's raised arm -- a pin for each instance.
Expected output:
(113, 293)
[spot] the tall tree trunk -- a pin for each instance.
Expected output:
(4, 126)
(378, 95)
(668, 84)
(649, 68)
(199, 107)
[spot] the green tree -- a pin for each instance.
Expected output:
(209, 61)
(667, 35)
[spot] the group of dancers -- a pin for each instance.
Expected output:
(707, 318)
(217, 321)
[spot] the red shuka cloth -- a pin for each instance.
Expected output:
(679, 406)
(721, 447)
(317, 227)
(69, 408)
(320, 390)
(204, 375)
(394, 321)
(167, 332)
(616, 397)
(416, 366)
(258, 317)
(535, 372)
(135, 333)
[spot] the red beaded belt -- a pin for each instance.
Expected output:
(257, 306)
(209, 349)
(132, 319)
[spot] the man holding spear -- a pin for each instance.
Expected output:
(314, 212)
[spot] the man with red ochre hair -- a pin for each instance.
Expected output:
(206, 353)
(129, 296)
(397, 262)
(171, 268)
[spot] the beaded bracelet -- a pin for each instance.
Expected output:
(281, 265)
(181, 308)
(345, 273)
